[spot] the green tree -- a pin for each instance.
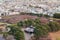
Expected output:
(20, 24)
(28, 22)
(54, 26)
(47, 27)
(40, 31)
(16, 32)
(37, 21)
(56, 15)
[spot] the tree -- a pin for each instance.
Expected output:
(16, 32)
(28, 22)
(37, 21)
(20, 24)
(54, 26)
(47, 27)
(47, 16)
(40, 31)
(56, 15)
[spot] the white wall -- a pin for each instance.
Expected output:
(13, 13)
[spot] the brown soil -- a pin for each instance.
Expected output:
(55, 35)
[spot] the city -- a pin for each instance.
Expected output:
(29, 19)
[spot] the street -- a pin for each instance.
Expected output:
(27, 35)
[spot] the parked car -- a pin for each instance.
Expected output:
(29, 29)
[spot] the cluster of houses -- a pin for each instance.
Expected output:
(12, 7)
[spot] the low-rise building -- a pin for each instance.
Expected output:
(34, 6)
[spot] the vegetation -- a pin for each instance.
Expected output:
(41, 29)
(39, 15)
(16, 32)
(47, 16)
(56, 15)
(25, 23)
(20, 24)
(28, 22)
(54, 26)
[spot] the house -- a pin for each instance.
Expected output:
(23, 6)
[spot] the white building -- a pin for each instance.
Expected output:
(34, 6)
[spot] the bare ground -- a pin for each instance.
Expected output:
(55, 35)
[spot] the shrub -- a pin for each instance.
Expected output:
(20, 24)
(56, 15)
(40, 31)
(16, 32)
(54, 26)
(37, 21)
(47, 27)
(47, 16)
(25, 23)
(57, 25)
(28, 22)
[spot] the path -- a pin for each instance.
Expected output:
(27, 35)
(1, 37)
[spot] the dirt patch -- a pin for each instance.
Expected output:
(17, 18)
(55, 35)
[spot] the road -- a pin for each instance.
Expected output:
(27, 35)
(1, 37)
